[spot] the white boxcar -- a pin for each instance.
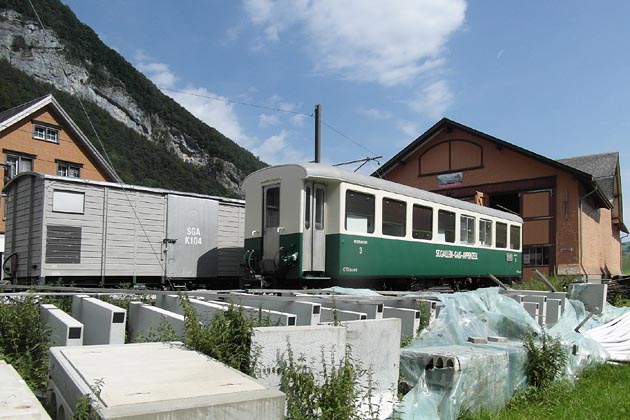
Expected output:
(60, 228)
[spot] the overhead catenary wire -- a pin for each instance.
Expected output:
(269, 108)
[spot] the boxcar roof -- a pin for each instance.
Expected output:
(321, 171)
(126, 187)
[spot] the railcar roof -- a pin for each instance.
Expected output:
(322, 171)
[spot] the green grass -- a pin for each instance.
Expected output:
(600, 393)
(536, 284)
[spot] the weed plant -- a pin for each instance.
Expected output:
(24, 341)
(333, 394)
(162, 334)
(227, 339)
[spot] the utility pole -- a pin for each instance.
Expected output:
(318, 135)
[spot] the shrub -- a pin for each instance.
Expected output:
(546, 360)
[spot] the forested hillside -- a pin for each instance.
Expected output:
(149, 147)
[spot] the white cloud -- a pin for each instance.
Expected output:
(215, 112)
(433, 100)
(276, 149)
(298, 120)
(159, 73)
(389, 42)
(376, 114)
(266, 120)
(408, 128)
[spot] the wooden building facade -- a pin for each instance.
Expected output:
(572, 208)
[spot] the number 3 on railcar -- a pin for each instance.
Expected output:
(315, 225)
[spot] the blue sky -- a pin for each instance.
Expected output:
(552, 77)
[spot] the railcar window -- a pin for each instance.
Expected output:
(319, 209)
(422, 222)
(446, 226)
(359, 212)
(467, 230)
(501, 238)
(394, 217)
(485, 232)
(307, 210)
(272, 207)
(515, 237)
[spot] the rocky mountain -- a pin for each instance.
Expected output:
(67, 56)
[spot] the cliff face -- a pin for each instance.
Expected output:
(42, 55)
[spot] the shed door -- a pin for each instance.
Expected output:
(314, 247)
(271, 226)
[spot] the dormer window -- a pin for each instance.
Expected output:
(45, 132)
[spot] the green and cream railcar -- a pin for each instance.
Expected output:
(318, 224)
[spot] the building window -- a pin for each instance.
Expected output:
(71, 170)
(394, 217)
(446, 226)
(485, 232)
(467, 230)
(536, 256)
(501, 238)
(46, 133)
(18, 164)
(422, 222)
(359, 212)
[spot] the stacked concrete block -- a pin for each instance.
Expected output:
(17, 401)
(145, 320)
(375, 345)
(206, 309)
(410, 319)
(593, 296)
(157, 381)
(64, 329)
(550, 305)
(307, 313)
(330, 315)
(308, 345)
(103, 322)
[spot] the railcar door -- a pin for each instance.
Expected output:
(314, 246)
(271, 227)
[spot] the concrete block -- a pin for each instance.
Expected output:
(158, 381)
(593, 296)
(274, 317)
(307, 313)
(410, 319)
(206, 309)
(553, 311)
(542, 306)
(146, 318)
(532, 309)
(372, 310)
(103, 323)
(375, 344)
(327, 315)
(493, 339)
(310, 343)
(17, 401)
(478, 340)
(64, 329)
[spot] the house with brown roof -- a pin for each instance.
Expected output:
(39, 136)
(572, 208)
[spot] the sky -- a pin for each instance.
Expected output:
(551, 77)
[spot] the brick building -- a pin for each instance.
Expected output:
(572, 208)
(39, 136)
